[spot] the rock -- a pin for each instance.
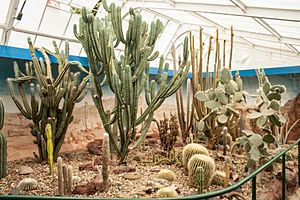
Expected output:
(76, 179)
(155, 169)
(156, 183)
(263, 161)
(137, 158)
(88, 167)
(132, 176)
(27, 184)
(95, 147)
(25, 170)
(16, 191)
(98, 182)
(97, 161)
(123, 169)
(89, 137)
(87, 189)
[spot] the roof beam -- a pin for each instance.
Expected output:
(9, 22)
(239, 4)
(205, 19)
(268, 27)
(260, 12)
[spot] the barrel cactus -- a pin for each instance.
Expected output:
(3, 143)
(166, 174)
(166, 192)
(208, 165)
(191, 149)
(218, 178)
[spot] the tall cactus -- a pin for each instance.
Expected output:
(57, 95)
(3, 143)
(128, 76)
(50, 148)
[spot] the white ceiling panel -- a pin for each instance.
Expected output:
(18, 39)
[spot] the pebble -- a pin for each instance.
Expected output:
(132, 176)
(25, 170)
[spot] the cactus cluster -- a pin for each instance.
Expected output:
(3, 143)
(168, 132)
(191, 149)
(127, 76)
(166, 174)
(221, 102)
(57, 94)
(208, 165)
(65, 177)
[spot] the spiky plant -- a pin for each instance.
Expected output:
(57, 94)
(191, 149)
(128, 75)
(3, 143)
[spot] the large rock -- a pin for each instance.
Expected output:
(95, 147)
(88, 167)
(25, 170)
(123, 169)
(91, 187)
(292, 108)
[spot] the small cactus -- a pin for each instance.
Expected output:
(50, 148)
(3, 144)
(191, 149)
(200, 179)
(166, 192)
(60, 176)
(166, 174)
(105, 160)
(208, 165)
(65, 177)
(218, 178)
(69, 179)
(227, 171)
(27, 184)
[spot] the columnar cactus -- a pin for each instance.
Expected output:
(65, 177)
(204, 161)
(105, 160)
(3, 143)
(200, 179)
(57, 95)
(60, 176)
(227, 171)
(128, 76)
(191, 149)
(50, 148)
(69, 179)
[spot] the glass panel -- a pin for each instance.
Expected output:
(285, 28)
(238, 23)
(276, 45)
(54, 21)
(74, 48)
(297, 47)
(32, 14)
(222, 2)
(74, 20)
(3, 10)
(18, 39)
(45, 42)
(147, 16)
(1, 31)
(82, 53)
(286, 4)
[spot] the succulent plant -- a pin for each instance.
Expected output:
(58, 92)
(191, 149)
(65, 177)
(27, 184)
(218, 178)
(166, 174)
(227, 170)
(105, 160)
(200, 179)
(50, 148)
(128, 76)
(3, 143)
(208, 165)
(166, 192)
(60, 176)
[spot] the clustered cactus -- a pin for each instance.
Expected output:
(65, 177)
(128, 76)
(168, 132)
(191, 149)
(3, 143)
(57, 95)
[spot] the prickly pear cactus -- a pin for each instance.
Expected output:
(3, 143)
(191, 149)
(208, 165)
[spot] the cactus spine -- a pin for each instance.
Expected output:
(128, 76)
(105, 160)
(3, 143)
(57, 95)
(191, 149)
(208, 165)
(65, 177)
(200, 179)
(50, 148)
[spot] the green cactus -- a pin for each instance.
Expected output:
(208, 165)
(50, 148)
(200, 179)
(3, 143)
(191, 149)
(128, 76)
(105, 160)
(57, 95)
(166, 192)
(166, 174)
(218, 178)
(227, 170)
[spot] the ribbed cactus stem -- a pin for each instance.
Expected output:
(105, 160)
(2, 112)
(65, 178)
(69, 180)
(3, 155)
(227, 171)
(225, 140)
(50, 148)
(60, 176)
(200, 179)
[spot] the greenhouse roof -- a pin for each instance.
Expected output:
(266, 33)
